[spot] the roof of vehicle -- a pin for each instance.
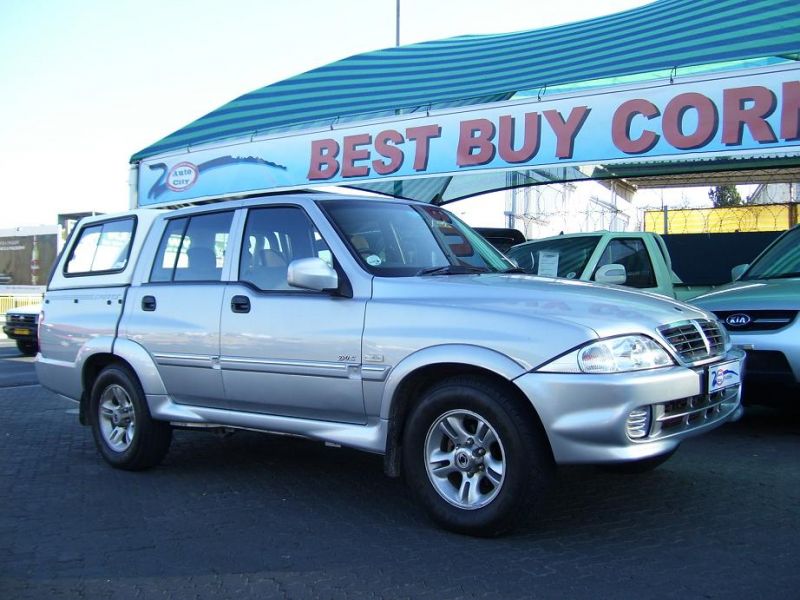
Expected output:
(600, 233)
(31, 309)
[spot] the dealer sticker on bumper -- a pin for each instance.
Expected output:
(724, 375)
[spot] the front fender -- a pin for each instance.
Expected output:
(462, 354)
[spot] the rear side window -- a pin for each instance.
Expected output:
(101, 248)
(193, 248)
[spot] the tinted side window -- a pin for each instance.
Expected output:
(101, 248)
(193, 248)
(632, 254)
(274, 237)
(560, 257)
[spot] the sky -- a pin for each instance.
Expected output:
(86, 83)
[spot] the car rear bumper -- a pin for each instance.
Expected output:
(588, 418)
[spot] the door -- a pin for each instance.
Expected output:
(176, 315)
(287, 351)
(632, 253)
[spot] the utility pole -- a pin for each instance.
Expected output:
(398, 185)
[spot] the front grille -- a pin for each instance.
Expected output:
(12, 319)
(695, 341)
(686, 414)
(756, 320)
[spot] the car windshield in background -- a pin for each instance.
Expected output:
(403, 240)
(562, 257)
(782, 260)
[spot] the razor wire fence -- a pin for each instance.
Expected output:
(731, 219)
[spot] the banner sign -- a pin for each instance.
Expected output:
(25, 261)
(740, 114)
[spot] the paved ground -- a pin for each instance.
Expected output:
(252, 516)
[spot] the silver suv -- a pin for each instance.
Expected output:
(383, 325)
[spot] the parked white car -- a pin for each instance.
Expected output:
(22, 326)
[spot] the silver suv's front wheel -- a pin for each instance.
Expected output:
(475, 456)
(465, 459)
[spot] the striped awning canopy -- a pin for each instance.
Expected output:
(666, 35)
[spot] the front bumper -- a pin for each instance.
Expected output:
(777, 354)
(586, 417)
(19, 332)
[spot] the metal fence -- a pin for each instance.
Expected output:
(10, 302)
(748, 217)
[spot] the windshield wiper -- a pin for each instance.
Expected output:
(514, 270)
(452, 270)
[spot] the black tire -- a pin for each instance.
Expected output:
(521, 450)
(27, 347)
(140, 447)
(638, 467)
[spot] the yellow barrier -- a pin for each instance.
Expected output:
(10, 302)
(749, 217)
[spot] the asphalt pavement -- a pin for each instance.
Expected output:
(257, 516)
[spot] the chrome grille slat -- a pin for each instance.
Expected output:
(12, 319)
(695, 340)
(691, 411)
(679, 416)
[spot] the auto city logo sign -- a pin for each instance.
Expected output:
(738, 320)
(182, 176)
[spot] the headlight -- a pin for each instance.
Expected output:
(614, 355)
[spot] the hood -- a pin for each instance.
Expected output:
(33, 309)
(605, 309)
(757, 294)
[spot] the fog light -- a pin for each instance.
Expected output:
(638, 423)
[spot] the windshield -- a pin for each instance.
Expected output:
(402, 240)
(782, 259)
(560, 257)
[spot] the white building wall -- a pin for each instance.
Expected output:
(545, 210)
(775, 193)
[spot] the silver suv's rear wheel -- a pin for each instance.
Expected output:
(117, 418)
(475, 456)
(124, 432)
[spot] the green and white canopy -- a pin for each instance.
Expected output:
(668, 38)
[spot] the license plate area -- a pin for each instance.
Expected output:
(723, 375)
(21, 331)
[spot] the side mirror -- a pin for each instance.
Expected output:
(738, 271)
(612, 273)
(312, 274)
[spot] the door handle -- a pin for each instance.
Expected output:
(240, 304)
(149, 303)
